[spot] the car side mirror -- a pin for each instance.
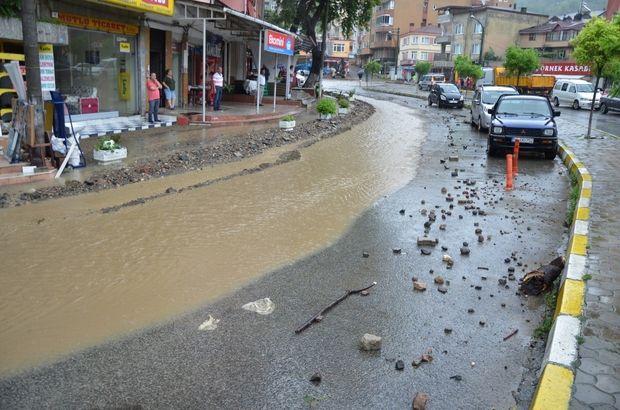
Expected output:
(476, 102)
(556, 113)
(492, 111)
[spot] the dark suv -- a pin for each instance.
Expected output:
(445, 95)
(527, 117)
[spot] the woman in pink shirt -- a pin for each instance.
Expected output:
(152, 89)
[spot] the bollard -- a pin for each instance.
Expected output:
(515, 158)
(509, 172)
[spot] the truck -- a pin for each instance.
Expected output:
(528, 84)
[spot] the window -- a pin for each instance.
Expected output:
(405, 41)
(388, 5)
(338, 48)
(414, 40)
(568, 35)
(554, 36)
(413, 55)
(385, 20)
(458, 28)
(532, 36)
(458, 49)
(478, 28)
(571, 89)
(564, 86)
(423, 55)
(475, 50)
(425, 40)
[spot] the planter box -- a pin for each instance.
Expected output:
(326, 116)
(343, 110)
(110, 155)
(287, 125)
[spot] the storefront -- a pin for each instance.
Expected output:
(97, 70)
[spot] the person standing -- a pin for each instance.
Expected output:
(169, 90)
(261, 87)
(153, 86)
(266, 72)
(218, 83)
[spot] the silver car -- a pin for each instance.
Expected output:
(485, 98)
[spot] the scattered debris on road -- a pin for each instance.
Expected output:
(419, 286)
(420, 400)
(514, 332)
(316, 378)
(400, 365)
(316, 317)
(262, 306)
(370, 342)
(209, 324)
(541, 280)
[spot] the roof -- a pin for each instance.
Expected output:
(476, 9)
(554, 26)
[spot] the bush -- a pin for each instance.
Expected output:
(108, 144)
(288, 118)
(327, 106)
(343, 102)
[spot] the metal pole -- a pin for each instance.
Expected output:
(324, 48)
(260, 58)
(275, 85)
(481, 49)
(397, 49)
(288, 77)
(204, 70)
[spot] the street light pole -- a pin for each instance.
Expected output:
(481, 61)
(397, 50)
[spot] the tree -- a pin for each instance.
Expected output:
(490, 55)
(422, 67)
(466, 68)
(598, 45)
(521, 61)
(373, 67)
(303, 17)
(33, 72)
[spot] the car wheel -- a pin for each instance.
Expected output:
(556, 102)
(604, 108)
(480, 124)
(576, 105)
(491, 150)
(471, 119)
(430, 102)
(550, 154)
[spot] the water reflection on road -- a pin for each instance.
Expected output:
(73, 276)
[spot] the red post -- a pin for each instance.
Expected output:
(515, 157)
(509, 172)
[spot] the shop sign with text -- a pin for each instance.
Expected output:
(93, 23)
(552, 68)
(46, 63)
(279, 43)
(165, 7)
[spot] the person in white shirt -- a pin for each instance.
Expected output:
(218, 83)
(261, 86)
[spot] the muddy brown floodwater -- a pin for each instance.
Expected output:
(74, 276)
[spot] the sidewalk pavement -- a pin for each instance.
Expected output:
(597, 378)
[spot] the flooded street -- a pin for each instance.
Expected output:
(74, 276)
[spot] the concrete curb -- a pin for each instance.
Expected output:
(558, 374)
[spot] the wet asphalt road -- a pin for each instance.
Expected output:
(252, 361)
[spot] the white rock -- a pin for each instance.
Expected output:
(210, 324)
(370, 342)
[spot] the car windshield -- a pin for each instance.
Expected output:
(491, 97)
(523, 107)
(449, 88)
(585, 88)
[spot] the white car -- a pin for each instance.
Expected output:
(484, 99)
(574, 93)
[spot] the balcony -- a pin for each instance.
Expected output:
(442, 57)
(364, 51)
(443, 39)
(384, 44)
(444, 18)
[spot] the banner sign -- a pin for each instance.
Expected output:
(165, 7)
(562, 68)
(93, 23)
(46, 64)
(279, 43)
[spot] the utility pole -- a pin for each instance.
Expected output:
(323, 48)
(33, 72)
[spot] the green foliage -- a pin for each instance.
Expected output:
(343, 102)
(288, 117)
(466, 68)
(108, 143)
(327, 106)
(490, 55)
(598, 44)
(572, 200)
(373, 67)
(422, 68)
(521, 61)
(586, 277)
(580, 340)
(544, 328)
(351, 93)
(10, 8)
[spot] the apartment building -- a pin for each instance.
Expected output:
(415, 46)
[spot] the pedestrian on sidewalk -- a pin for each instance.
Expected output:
(153, 86)
(218, 83)
(261, 87)
(169, 90)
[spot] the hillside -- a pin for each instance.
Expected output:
(558, 7)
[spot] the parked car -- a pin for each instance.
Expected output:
(429, 79)
(575, 93)
(610, 104)
(445, 95)
(527, 117)
(485, 98)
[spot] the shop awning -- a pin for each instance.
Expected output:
(249, 23)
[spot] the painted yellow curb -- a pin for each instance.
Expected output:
(586, 193)
(570, 298)
(586, 177)
(554, 389)
(583, 214)
(579, 243)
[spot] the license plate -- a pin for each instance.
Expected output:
(524, 140)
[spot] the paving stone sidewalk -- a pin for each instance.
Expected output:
(597, 381)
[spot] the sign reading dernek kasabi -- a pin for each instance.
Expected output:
(564, 69)
(279, 43)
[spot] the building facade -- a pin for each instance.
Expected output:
(415, 46)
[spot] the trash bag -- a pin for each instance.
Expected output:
(58, 145)
(262, 306)
(210, 324)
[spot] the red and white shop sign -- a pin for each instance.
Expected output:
(553, 68)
